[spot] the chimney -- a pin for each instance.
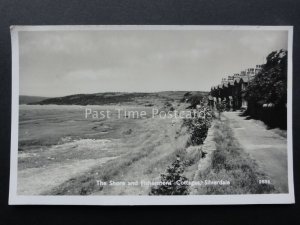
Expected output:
(224, 80)
(236, 75)
(230, 78)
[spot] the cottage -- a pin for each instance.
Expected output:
(232, 89)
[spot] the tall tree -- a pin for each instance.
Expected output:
(270, 85)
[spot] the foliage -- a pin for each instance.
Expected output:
(269, 88)
(187, 94)
(270, 85)
(221, 107)
(194, 99)
(199, 124)
(173, 182)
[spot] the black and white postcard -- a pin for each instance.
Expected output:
(151, 115)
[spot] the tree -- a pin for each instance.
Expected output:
(270, 85)
(267, 92)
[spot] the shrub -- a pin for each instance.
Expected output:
(173, 181)
(198, 125)
(221, 107)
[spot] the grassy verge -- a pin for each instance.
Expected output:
(231, 163)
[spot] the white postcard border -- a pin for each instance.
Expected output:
(15, 199)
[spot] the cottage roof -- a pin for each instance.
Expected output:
(237, 80)
(225, 84)
(245, 79)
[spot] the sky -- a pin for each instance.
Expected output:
(59, 63)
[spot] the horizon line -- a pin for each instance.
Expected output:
(30, 95)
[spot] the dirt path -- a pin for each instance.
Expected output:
(265, 146)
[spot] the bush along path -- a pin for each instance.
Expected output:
(173, 181)
(204, 162)
(178, 176)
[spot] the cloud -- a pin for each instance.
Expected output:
(56, 63)
(261, 41)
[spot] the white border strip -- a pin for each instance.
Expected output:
(15, 199)
(290, 114)
(146, 27)
(14, 117)
(154, 200)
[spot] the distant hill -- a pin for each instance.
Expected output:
(117, 98)
(25, 99)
